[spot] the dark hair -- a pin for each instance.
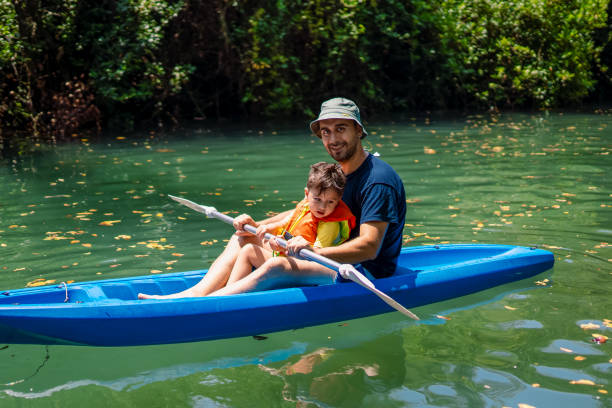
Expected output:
(326, 176)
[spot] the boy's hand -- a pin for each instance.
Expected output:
(261, 232)
(242, 220)
(296, 244)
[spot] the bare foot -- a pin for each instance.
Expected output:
(145, 296)
(178, 295)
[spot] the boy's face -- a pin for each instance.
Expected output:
(322, 203)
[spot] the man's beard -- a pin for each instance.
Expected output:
(344, 155)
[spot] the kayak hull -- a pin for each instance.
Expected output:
(107, 312)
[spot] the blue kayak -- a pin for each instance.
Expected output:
(107, 312)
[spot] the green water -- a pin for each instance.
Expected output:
(95, 209)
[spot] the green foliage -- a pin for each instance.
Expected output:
(537, 53)
(123, 40)
(294, 53)
(71, 64)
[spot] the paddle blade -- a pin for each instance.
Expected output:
(348, 271)
(208, 211)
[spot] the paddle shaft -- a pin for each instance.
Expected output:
(304, 252)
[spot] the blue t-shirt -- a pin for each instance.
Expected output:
(374, 192)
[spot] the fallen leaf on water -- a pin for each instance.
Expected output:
(122, 236)
(582, 382)
(602, 391)
(443, 317)
(521, 405)
(566, 350)
(535, 385)
(177, 254)
(86, 245)
(579, 358)
(428, 150)
(109, 223)
(589, 326)
(510, 307)
(40, 282)
(155, 271)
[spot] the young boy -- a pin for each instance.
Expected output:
(321, 218)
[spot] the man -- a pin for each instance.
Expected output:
(373, 192)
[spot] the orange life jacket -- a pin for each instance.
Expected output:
(304, 223)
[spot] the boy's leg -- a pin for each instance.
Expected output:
(217, 274)
(250, 256)
(280, 272)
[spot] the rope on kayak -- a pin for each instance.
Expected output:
(65, 287)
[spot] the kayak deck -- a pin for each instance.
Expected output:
(108, 313)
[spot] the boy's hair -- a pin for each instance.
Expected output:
(326, 176)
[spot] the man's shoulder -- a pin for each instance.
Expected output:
(383, 172)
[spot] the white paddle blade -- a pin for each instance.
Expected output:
(348, 271)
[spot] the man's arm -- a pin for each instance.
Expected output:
(362, 248)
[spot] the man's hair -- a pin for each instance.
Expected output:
(326, 176)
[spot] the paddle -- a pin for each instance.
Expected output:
(347, 271)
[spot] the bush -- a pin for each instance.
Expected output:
(523, 53)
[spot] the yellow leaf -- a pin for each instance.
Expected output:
(599, 335)
(510, 307)
(582, 382)
(566, 350)
(109, 223)
(579, 358)
(86, 245)
(602, 391)
(428, 150)
(177, 254)
(40, 282)
(122, 236)
(155, 271)
(521, 405)
(589, 326)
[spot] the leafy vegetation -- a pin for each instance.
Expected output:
(75, 64)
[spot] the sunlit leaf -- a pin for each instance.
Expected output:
(109, 223)
(40, 282)
(582, 382)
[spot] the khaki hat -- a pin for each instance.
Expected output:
(338, 108)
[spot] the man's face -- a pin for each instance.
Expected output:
(341, 138)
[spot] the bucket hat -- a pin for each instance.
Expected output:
(338, 108)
